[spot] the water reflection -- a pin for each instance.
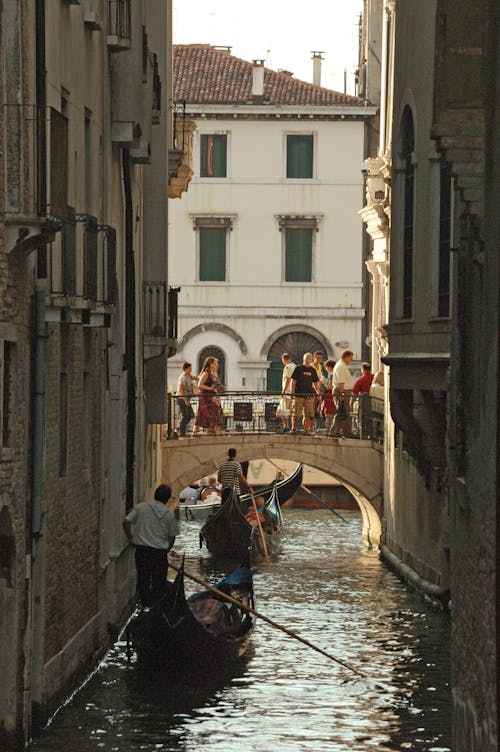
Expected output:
(328, 588)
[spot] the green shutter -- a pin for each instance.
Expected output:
(213, 155)
(220, 156)
(299, 157)
(298, 254)
(203, 156)
(212, 254)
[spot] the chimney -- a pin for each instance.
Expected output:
(258, 81)
(317, 57)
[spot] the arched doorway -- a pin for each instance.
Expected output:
(294, 343)
(211, 351)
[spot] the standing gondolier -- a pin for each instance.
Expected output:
(231, 476)
(152, 528)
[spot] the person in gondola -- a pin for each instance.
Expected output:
(152, 528)
(231, 476)
(209, 409)
(263, 513)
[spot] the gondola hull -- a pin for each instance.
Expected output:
(170, 638)
(228, 535)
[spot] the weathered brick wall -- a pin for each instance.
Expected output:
(72, 501)
(15, 483)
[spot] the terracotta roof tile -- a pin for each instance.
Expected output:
(206, 75)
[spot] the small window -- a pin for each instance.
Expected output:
(298, 254)
(299, 156)
(63, 424)
(212, 254)
(408, 147)
(445, 220)
(213, 155)
(7, 383)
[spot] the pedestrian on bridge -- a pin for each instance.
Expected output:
(305, 387)
(152, 528)
(342, 390)
(185, 390)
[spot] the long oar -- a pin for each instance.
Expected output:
(274, 624)
(307, 490)
(259, 524)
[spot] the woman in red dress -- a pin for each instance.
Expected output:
(329, 408)
(208, 415)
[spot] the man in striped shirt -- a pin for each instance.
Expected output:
(230, 475)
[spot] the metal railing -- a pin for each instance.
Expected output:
(259, 412)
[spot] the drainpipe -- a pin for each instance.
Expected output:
(36, 616)
(130, 330)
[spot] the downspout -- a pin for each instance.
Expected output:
(130, 332)
(36, 618)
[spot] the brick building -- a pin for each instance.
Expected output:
(83, 329)
(432, 216)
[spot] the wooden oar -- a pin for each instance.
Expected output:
(307, 490)
(266, 619)
(259, 524)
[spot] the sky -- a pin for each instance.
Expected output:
(281, 32)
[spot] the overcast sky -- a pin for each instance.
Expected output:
(281, 32)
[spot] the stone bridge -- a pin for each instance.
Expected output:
(357, 464)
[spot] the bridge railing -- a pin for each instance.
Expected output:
(259, 412)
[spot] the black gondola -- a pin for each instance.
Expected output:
(285, 488)
(202, 633)
(228, 534)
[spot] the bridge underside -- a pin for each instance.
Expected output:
(356, 464)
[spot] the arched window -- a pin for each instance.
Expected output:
(211, 351)
(295, 344)
(407, 151)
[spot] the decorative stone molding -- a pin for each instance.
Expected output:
(212, 327)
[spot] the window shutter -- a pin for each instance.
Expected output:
(219, 161)
(212, 254)
(299, 157)
(298, 254)
(213, 155)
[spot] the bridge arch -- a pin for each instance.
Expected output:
(357, 464)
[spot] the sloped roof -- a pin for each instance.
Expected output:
(207, 75)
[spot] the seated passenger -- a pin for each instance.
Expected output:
(265, 517)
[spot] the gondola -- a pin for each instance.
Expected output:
(201, 634)
(285, 488)
(227, 534)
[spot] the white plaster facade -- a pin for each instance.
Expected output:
(245, 314)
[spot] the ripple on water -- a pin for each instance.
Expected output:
(329, 588)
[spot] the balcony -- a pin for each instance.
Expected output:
(118, 37)
(36, 174)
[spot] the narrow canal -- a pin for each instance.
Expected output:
(329, 588)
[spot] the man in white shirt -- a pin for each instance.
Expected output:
(152, 528)
(285, 405)
(342, 382)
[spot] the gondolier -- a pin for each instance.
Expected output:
(152, 528)
(230, 475)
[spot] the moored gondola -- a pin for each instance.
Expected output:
(228, 534)
(202, 633)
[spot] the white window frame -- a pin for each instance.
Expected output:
(213, 132)
(314, 177)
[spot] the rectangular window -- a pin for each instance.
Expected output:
(298, 254)
(86, 419)
(299, 156)
(63, 424)
(445, 220)
(213, 155)
(7, 369)
(212, 254)
(88, 161)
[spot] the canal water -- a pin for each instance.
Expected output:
(329, 588)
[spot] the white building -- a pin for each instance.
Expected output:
(267, 244)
